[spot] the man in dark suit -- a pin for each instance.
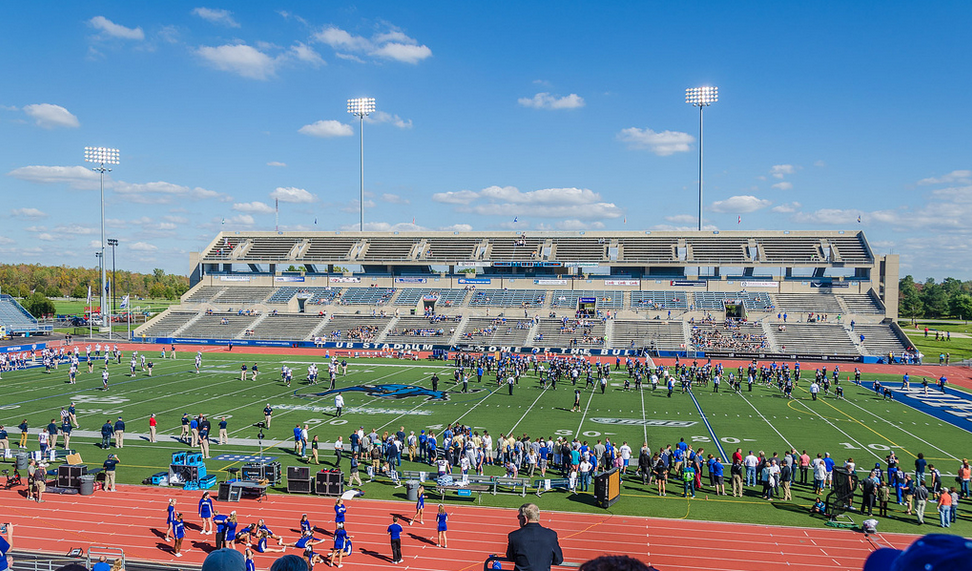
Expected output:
(533, 547)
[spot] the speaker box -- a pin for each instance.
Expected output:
(299, 486)
(298, 473)
(69, 476)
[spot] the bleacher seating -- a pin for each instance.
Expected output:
(579, 249)
(450, 249)
(659, 300)
(573, 333)
(14, 317)
(363, 328)
(421, 329)
(219, 326)
(287, 326)
(382, 249)
(796, 303)
(654, 333)
(718, 250)
(411, 296)
(741, 336)
(246, 295)
(715, 301)
(203, 294)
(879, 340)
(514, 249)
(271, 247)
(851, 248)
(647, 249)
(318, 295)
(169, 323)
(523, 298)
(329, 248)
(814, 339)
(606, 299)
(791, 249)
(496, 331)
(861, 303)
(366, 296)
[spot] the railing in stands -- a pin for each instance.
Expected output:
(495, 562)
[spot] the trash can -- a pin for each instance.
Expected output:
(411, 490)
(87, 484)
(23, 460)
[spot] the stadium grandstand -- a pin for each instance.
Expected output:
(15, 321)
(767, 294)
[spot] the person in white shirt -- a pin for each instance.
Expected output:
(625, 451)
(750, 462)
(338, 403)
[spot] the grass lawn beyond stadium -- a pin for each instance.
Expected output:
(861, 426)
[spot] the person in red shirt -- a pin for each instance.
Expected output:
(152, 424)
(737, 455)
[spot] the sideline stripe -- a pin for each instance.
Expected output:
(715, 439)
(778, 433)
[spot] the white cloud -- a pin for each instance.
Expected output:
(819, 164)
(545, 196)
(46, 237)
(76, 177)
(957, 176)
(49, 116)
(393, 44)
(681, 218)
(254, 207)
(383, 117)
(7, 241)
(830, 216)
(779, 171)
(241, 220)
(786, 208)
(740, 204)
(457, 228)
(455, 197)
(548, 101)
(385, 227)
(76, 230)
(348, 57)
(306, 54)
(161, 192)
(31, 213)
(674, 228)
(143, 247)
(293, 195)
(662, 144)
(111, 29)
(578, 225)
(785, 185)
(217, 16)
(327, 128)
(240, 59)
(394, 199)
(353, 206)
(407, 53)
(276, 164)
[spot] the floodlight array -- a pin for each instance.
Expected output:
(361, 106)
(102, 155)
(701, 96)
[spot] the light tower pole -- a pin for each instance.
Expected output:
(701, 97)
(102, 156)
(361, 108)
(111, 310)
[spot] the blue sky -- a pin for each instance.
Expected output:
(563, 115)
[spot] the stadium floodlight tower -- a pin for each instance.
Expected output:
(102, 156)
(701, 97)
(361, 107)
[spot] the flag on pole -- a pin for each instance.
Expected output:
(224, 221)
(515, 219)
(124, 302)
(315, 221)
(625, 220)
(858, 219)
(89, 295)
(739, 221)
(108, 286)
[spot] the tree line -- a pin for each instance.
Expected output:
(22, 280)
(934, 300)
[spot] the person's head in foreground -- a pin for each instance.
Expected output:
(614, 563)
(934, 552)
(225, 559)
(528, 513)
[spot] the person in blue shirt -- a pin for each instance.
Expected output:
(339, 510)
(205, 512)
(337, 552)
(718, 475)
(220, 521)
(101, 565)
(5, 545)
(169, 519)
(106, 431)
(440, 524)
(66, 429)
(231, 523)
(305, 524)
(395, 533)
(179, 533)
(250, 564)
(263, 547)
(829, 463)
(419, 507)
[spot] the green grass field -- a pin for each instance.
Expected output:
(862, 426)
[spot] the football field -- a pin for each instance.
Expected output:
(386, 394)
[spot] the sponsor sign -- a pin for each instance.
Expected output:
(393, 391)
(344, 280)
(471, 264)
(635, 283)
(411, 280)
(296, 279)
(475, 281)
(550, 282)
(19, 348)
(761, 283)
(829, 284)
(234, 278)
(687, 283)
(645, 422)
(582, 264)
(588, 300)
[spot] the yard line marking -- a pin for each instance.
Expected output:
(767, 421)
(852, 439)
(715, 439)
(586, 408)
(529, 408)
(644, 416)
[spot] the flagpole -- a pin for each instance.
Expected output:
(129, 308)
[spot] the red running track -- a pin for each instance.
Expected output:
(134, 519)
